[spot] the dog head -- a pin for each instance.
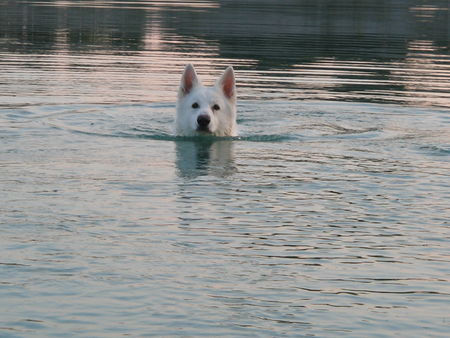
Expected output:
(206, 110)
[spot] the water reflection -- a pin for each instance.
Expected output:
(318, 29)
(328, 49)
(205, 157)
(335, 222)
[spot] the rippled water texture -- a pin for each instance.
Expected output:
(327, 216)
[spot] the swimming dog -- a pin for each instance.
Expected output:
(206, 110)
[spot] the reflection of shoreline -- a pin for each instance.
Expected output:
(205, 157)
(369, 51)
(385, 25)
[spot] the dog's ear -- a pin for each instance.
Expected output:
(227, 83)
(189, 80)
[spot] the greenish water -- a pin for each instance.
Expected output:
(327, 216)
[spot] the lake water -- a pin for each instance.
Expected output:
(328, 216)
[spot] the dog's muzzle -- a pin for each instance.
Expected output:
(203, 123)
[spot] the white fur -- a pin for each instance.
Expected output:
(222, 94)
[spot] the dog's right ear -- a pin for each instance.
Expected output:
(189, 80)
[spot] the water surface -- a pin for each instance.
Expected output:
(327, 216)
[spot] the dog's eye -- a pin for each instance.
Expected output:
(195, 105)
(216, 107)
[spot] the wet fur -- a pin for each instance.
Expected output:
(222, 95)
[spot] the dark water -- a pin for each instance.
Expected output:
(327, 216)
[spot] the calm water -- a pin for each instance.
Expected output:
(328, 216)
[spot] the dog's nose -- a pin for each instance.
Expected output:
(203, 121)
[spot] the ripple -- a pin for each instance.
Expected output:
(327, 215)
(281, 121)
(436, 150)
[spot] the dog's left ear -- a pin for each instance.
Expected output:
(227, 83)
(189, 80)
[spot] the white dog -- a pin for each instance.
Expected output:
(206, 110)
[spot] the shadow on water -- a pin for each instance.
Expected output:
(205, 156)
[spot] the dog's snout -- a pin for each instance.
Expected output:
(203, 121)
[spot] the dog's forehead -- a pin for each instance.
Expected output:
(206, 94)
